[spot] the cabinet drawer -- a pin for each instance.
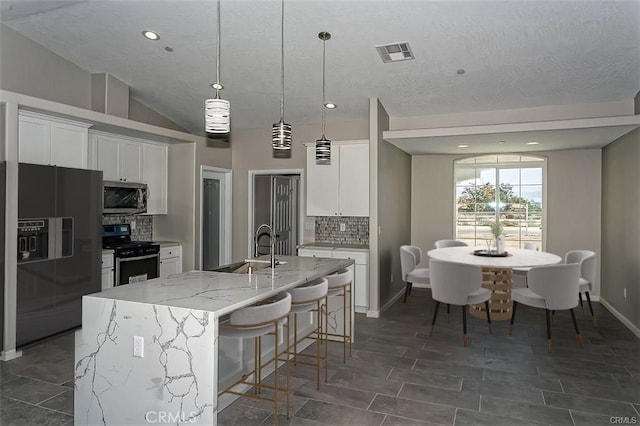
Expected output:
(107, 260)
(361, 258)
(314, 252)
(169, 252)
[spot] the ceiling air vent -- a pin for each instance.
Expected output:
(395, 52)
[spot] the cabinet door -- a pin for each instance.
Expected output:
(315, 252)
(354, 180)
(154, 174)
(322, 184)
(361, 283)
(33, 140)
(69, 145)
(107, 278)
(130, 161)
(108, 157)
(170, 266)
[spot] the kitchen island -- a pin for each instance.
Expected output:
(149, 352)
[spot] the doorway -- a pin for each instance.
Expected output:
(275, 198)
(215, 217)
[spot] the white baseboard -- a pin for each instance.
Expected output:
(9, 355)
(635, 330)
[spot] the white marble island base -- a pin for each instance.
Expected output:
(176, 380)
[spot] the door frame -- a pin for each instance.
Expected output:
(226, 218)
(301, 204)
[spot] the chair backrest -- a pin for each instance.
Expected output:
(558, 284)
(261, 314)
(587, 261)
(410, 256)
(453, 282)
(531, 246)
(310, 291)
(340, 278)
(450, 243)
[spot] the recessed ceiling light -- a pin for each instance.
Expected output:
(533, 143)
(168, 49)
(500, 142)
(151, 35)
(330, 105)
(460, 71)
(217, 86)
(463, 146)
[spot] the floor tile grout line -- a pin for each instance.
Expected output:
(571, 416)
(39, 406)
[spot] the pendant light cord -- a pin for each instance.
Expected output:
(324, 55)
(218, 55)
(282, 62)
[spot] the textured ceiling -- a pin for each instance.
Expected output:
(516, 54)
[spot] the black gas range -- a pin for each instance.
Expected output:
(134, 261)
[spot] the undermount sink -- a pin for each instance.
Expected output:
(246, 266)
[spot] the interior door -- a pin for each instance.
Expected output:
(281, 196)
(212, 219)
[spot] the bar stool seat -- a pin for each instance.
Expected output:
(255, 322)
(340, 285)
(310, 297)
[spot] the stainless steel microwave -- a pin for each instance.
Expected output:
(124, 198)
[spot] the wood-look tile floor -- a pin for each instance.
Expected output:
(398, 375)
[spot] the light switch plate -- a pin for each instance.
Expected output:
(138, 346)
(343, 227)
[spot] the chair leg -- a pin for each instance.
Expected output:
(575, 324)
(410, 288)
(486, 306)
(548, 315)
(448, 313)
(275, 377)
(593, 317)
(513, 316)
(581, 305)
(464, 326)
(553, 317)
(435, 315)
(406, 292)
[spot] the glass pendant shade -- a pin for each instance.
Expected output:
(323, 151)
(281, 136)
(217, 117)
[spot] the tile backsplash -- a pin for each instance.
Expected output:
(144, 225)
(356, 230)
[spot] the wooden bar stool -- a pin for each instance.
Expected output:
(340, 284)
(257, 321)
(310, 297)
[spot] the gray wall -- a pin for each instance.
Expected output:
(621, 225)
(573, 200)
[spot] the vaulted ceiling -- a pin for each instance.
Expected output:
(514, 54)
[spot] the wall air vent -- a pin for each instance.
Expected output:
(395, 52)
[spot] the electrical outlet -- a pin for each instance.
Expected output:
(625, 292)
(343, 227)
(133, 225)
(138, 346)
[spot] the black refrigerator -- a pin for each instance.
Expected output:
(59, 248)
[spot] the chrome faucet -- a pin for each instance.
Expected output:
(272, 238)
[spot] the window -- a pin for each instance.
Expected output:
(518, 202)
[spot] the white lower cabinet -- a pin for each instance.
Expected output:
(107, 270)
(170, 261)
(360, 275)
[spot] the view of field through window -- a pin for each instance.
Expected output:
(507, 188)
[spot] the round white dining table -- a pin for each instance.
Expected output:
(518, 258)
(497, 274)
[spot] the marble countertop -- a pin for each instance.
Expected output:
(331, 246)
(220, 292)
(168, 243)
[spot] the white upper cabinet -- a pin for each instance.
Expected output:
(119, 159)
(342, 187)
(154, 174)
(51, 140)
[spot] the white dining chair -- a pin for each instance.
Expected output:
(552, 288)
(587, 261)
(410, 257)
(520, 274)
(450, 243)
(458, 284)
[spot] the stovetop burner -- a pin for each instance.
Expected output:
(118, 238)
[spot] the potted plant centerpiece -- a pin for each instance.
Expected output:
(496, 229)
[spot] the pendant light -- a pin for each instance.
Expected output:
(323, 145)
(217, 114)
(281, 131)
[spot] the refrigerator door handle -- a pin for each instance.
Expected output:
(52, 238)
(22, 244)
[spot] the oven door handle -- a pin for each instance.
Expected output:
(127, 259)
